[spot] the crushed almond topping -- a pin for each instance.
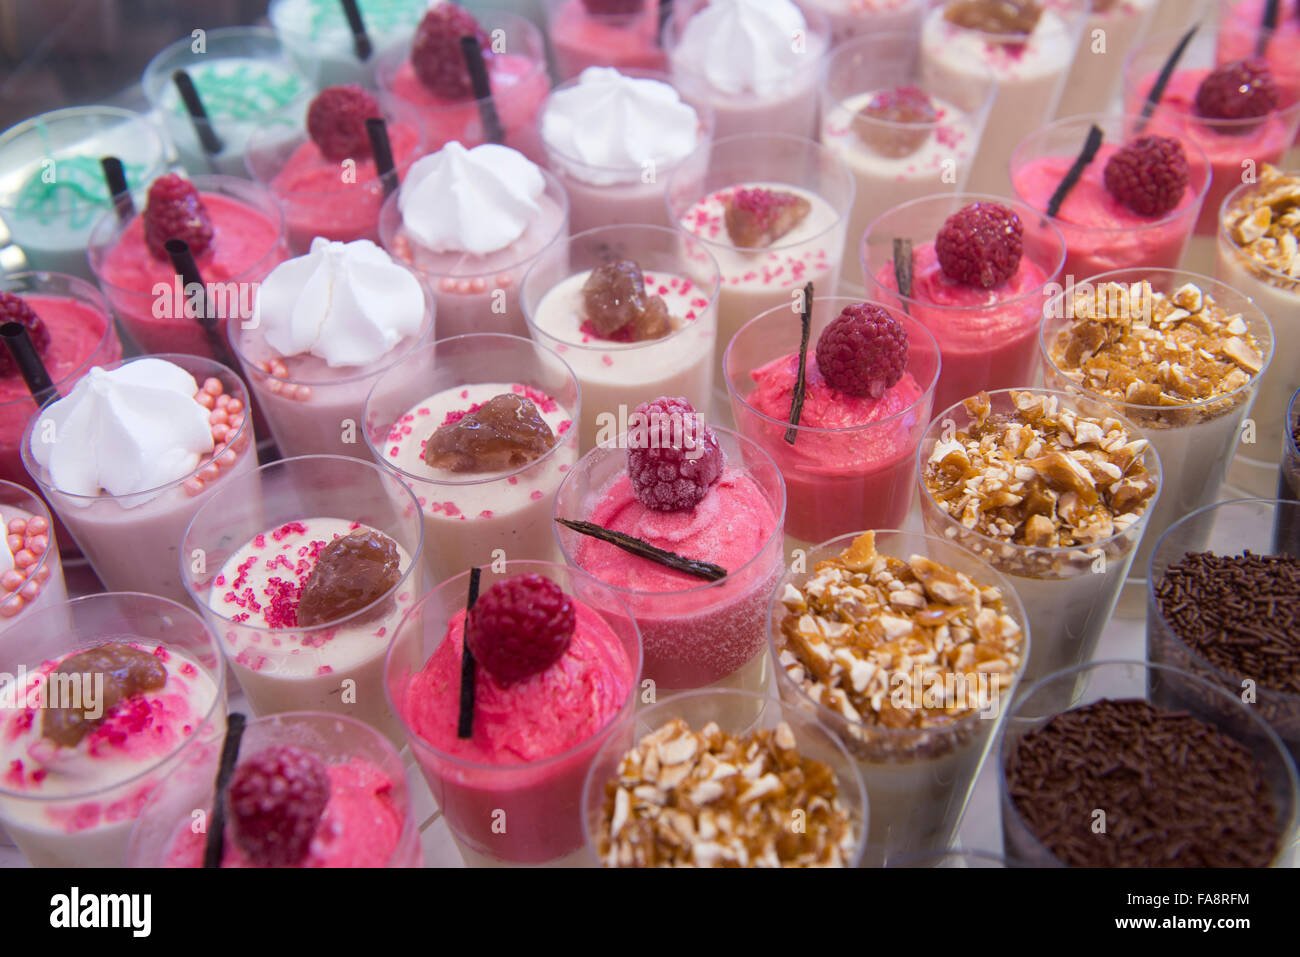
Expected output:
(1264, 223)
(712, 799)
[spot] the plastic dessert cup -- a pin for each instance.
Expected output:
(893, 161)
(316, 36)
(616, 377)
(1101, 233)
(133, 541)
(1112, 29)
(736, 713)
(787, 106)
(861, 476)
(987, 338)
(519, 82)
(853, 18)
(474, 518)
(580, 38)
(147, 295)
(479, 293)
(757, 279)
(1030, 70)
(1195, 440)
(1262, 527)
(1067, 592)
(323, 197)
(1162, 687)
(610, 196)
(82, 335)
(311, 407)
(696, 633)
(369, 821)
(80, 811)
(1239, 32)
(1278, 295)
(32, 576)
(243, 78)
(919, 780)
(1288, 485)
(511, 811)
(52, 187)
(336, 666)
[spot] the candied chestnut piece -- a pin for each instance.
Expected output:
(1008, 17)
(904, 104)
(615, 303)
(351, 572)
(759, 217)
(505, 432)
(125, 672)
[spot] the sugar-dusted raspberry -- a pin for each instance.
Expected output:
(336, 121)
(16, 309)
(1149, 175)
(980, 244)
(520, 627)
(1239, 90)
(174, 210)
(901, 105)
(863, 351)
(673, 458)
(275, 802)
(435, 53)
(613, 7)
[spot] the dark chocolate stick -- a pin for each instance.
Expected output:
(208, 138)
(634, 546)
(215, 846)
(382, 150)
(665, 14)
(801, 381)
(493, 131)
(1267, 24)
(903, 268)
(29, 362)
(118, 190)
(465, 724)
(1158, 88)
(183, 262)
(1086, 155)
(360, 39)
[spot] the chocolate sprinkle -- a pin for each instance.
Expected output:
(801, 380)
(465, 722)
(216, 843)
(1086, 155)
(635, 546)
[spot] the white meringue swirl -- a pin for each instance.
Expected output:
(744, 46)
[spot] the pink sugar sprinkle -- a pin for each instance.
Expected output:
(455, 416)
(543, 401)
(563, 427)
(450, 508)
(219, 581)
(392, 453)
(486, 513)
(324, 670)
(287, 529)
(513, 480)
(699, 303)
(535, 495)
(162, 654)
(423, 411)
(259, 541)
(383, 630)
(607, 360)
(188, 670)
(464, 393)
(564, 468)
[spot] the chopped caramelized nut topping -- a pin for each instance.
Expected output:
(1264, 222)
(712, 799)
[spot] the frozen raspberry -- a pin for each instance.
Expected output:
(902, 105)
(1148, 175)
(613, 7)
(336, 121)
(275, 803)
(520, 627)
(980, 244)
(672, 456)
(759, 217)
(15, 309)
(175, 211)
(1239, 90)
(436, 55)
(863, 352)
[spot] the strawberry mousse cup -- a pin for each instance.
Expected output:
(512, 792)
(88, 737)
(130, 455)
(326, 328)
(653, 353)
(851, 462)
(651, 127)
(1098, 64)
(242, 77)
(150, 299)
(850, 19)
(618, 33)
(1239, 31)
(316, 36)
(1103, 230)
(901, 139)
(514, 52)
(31, 574)
(508, 211)
(488, 495)
(988, 335)
(303, 616)
(50, 216)
(790, 200)
(696, 633)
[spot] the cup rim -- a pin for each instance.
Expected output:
(238, 31)
(1274, 277)
(38, 508)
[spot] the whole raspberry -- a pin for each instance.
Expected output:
(520, 627)
(175, 211)
(1149, 175)
(15, 309)
(435, 52)
(673, 458)
(336, 121)
(980, 244)
(863, 351)
(1239, 90)
(613, 7)
(275, 802)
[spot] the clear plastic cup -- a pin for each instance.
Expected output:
(335, 667)
(856, 476)
(316, 35)
(1110, 32)
(32, 577)
(616, 377)
(470, 517)
(165, 834)
(1163, 687)
(1289, 476)
(1068, 593)
(919, 779)
(737, 713)
(75, 817)
(854, 18)
(580, 38)
(516, 812)
(133, 541)
(984, 345)
(52, 187)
